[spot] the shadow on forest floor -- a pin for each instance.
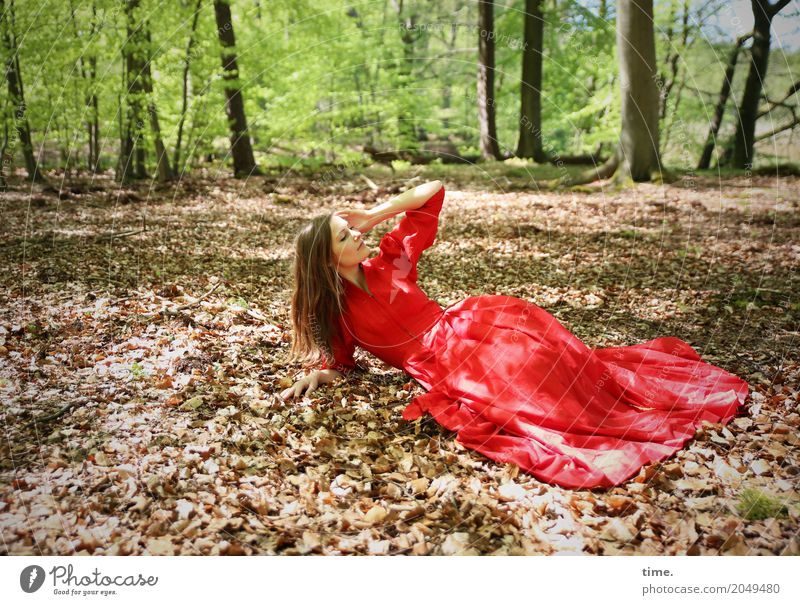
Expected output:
(159, 430)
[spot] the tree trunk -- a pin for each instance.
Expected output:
(637, 154)
(489, 147)
(763, 12)
(673, 55)
(16, 92)
(602, 15)
(664, 83)
(89, 76)
(5, 158)
(407, 123)
(719, 111)
(244, 163)
(132, 158)
(124, 143)
(197, 123)
(162, 160)
(447, 92)
(176, 159)
(639, 139)
(530, 122)
(94, 127)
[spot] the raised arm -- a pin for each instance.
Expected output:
(410, 199)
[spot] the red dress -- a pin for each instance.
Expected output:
(516, 385)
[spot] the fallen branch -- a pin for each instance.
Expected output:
(110, 236)
(53, 416)
(370, 183)
(179, 309)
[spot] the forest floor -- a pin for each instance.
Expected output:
(143, 335)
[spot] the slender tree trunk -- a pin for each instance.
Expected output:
(132, 152)
(489, 146)
(406, 122)
(447, 92)
(94, 129)
(586, 123)
(176, 160)
(719, 110)
(192, 142)
(16, 91)
(664, 83)
(119, 174)
(668, 128)
(639, 139)
(244, 163)
(88, 67)
(5, 159)
(763, 13)
(602, 14)
(162, 159)
(94, 104)
(530, 122)
(673, 55)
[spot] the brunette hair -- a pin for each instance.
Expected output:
(318, 293)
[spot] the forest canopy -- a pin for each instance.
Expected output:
(149, 90)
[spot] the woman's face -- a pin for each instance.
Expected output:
(349, 248)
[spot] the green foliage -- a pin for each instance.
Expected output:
(322, 81)
(755, 504)
(238, 301)
(137, 370)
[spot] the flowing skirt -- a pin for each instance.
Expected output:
(518, 387)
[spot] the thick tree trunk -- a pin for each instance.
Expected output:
(639, 139)
(176, 159)
(16, 93)
(759, 61)
(637, 154)
(530, 122)
(763, 13)
(489, 147)
(244, 163)
(719, 111)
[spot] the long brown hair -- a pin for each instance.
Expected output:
(318, 293)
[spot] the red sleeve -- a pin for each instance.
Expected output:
(415, 232)
(344, 347)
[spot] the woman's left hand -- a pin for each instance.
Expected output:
(358, 219)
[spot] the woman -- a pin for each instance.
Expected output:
(500, 371)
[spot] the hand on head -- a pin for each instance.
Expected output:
(358, 219)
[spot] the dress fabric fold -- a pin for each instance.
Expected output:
(516, 385)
